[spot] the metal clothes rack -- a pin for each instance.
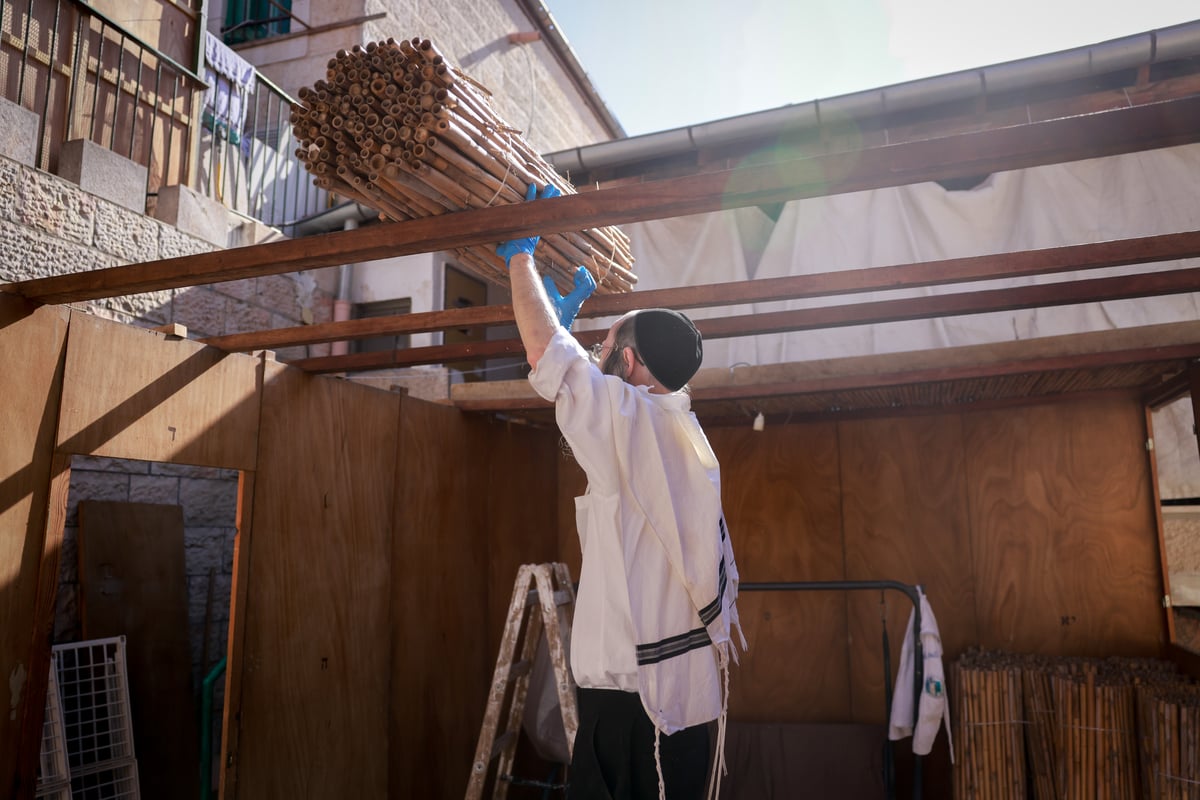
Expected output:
(913, 593)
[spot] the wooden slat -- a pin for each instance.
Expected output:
(134, 393)
(1151, 343)
(1121, 252)
(33, 488)
(438, 626)
(1149, 284)
(1159, 528)
(235, 647)
(1103, 133)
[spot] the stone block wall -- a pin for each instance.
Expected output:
(208, 498)
(49, 226)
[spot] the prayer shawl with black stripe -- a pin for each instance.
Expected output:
(658, 582)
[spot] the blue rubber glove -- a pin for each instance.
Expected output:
(511, 248)
(567, 306)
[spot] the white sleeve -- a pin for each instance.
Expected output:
(588, 404)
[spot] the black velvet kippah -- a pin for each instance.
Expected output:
(669, 344)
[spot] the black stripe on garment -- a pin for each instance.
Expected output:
(672, 646)
(686, 642)
(710, 611)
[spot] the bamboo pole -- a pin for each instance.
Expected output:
(395, 126)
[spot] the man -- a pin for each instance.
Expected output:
(651, 638)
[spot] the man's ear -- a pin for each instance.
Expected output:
(629, 359)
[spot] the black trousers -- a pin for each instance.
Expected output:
(614, 752)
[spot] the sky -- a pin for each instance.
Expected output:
(661, 64)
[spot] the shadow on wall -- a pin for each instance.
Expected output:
(148, 555)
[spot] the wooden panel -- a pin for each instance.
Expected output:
(1062, 530)
(440, 663)
(32, 352)
(315, 658)
(133, 393)
(133, 583)
(905, 516)
(780, 492)
(523, 511)
(235, 646)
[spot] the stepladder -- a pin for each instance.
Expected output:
(542, 606)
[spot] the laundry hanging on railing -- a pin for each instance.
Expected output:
(230, 79)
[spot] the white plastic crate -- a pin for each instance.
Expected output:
(91, 703)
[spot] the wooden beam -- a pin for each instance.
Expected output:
(1148, 284)
(842, 383)
(1032, 144)
(1091, 350)
(1121, 252)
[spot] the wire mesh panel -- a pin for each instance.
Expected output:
(113, 783)
(93, 694)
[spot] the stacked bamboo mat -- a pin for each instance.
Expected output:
(397, 128)
(1074, 729)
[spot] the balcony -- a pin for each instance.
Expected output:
(85, 76)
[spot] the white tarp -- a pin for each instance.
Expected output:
(1118, 197)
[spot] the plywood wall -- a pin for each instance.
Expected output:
(1065, 549)
(32, 348)
(1032, 529)
(475, 500)
(135, 393)
(439, 559)
(379, 537)
(315, 653)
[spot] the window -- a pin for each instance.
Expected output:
(384, 308)
(247, 20)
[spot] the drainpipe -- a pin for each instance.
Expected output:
(341, 301)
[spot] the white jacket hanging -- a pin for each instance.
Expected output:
(934, 704)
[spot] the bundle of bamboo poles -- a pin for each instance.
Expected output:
(1082, 721)
(397, 128)
(1096, 734)
(988, 728)
(1169, 720)
(1040, 735)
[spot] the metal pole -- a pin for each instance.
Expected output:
(112, 135)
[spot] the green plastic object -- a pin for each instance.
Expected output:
(206, 697)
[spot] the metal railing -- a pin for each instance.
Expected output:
(247, 158)
(86, 77)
